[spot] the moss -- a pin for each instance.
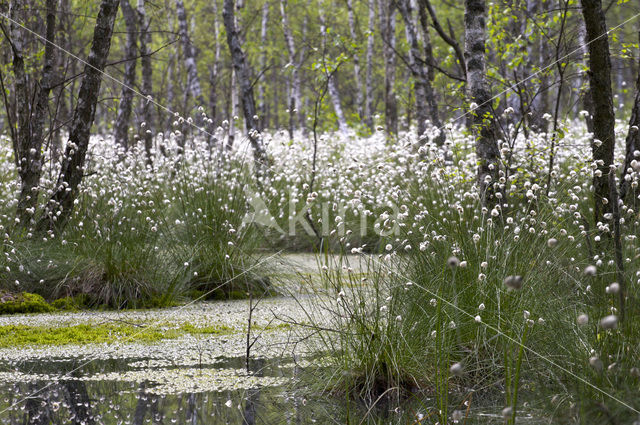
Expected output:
(23, 303)
(207, 330)
(79, 302)
(21, 335)
(13, 336)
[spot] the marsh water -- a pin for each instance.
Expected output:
(143, 391)
(192, 379)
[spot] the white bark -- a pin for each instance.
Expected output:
(193, 81)
(334, 93)
(368, 95)
(356, 60)
(121, 126)
(262, 101)
(294, 103)
(479, 94)
(147, 78)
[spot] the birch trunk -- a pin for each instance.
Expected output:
(147, 79)
(129, 80)
(479, 94)
(356, 60)
(631, 169)
(30, 123)
(62, 108)
(387, 13)
(295, 97)
(233, 108)
(193, 81)
(584, 92)
(243, 73)
(334, 94)
(368, 95)
(540, 104)
(213, 101)
(73, 162)
(603, 116)
(262, 101)
(426, 104)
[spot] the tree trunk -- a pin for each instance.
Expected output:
(262, 101)
(584, 92)
(73, 162)
(62, 108)
(356, 60)
(630, 170)
(243, 74)
(129, 80)
(388, 31)
(538, 52)
(426, 104)
(27, 145)
(602, 97)
(334, 93)
(368, 95)
(193, 81)
(147, 79)
(295, 61)
(484, 125)
(233, 108)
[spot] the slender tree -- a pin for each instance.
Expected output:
(334, 93)
(356, 60)
(29, 135)
(426, 104)
(630, 171)
(479, 94)
(243, 73)
(73, 162)
(368, 94)
(387, 12)
(121, 126)
(193, 80)
(296, 118)
(262, 101)
(603, 143)
(147, 127)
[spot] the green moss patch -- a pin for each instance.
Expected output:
(20, 335)
(23, 303)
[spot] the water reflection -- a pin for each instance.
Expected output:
(85, 399)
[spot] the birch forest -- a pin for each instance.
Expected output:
(319, 211)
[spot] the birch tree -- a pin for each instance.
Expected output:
(334, 94)
(121, 127)
(243, 74)
(631, 168)
(387, 12)
(602, 96)
(356, 60)
(61, 203)
(295, 61)
(28, 136)
(484, 126)
(147, 126)
(426, 104)
(368, 94)
(193, 81)
(262, 101)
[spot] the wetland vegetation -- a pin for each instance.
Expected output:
(304, 211)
